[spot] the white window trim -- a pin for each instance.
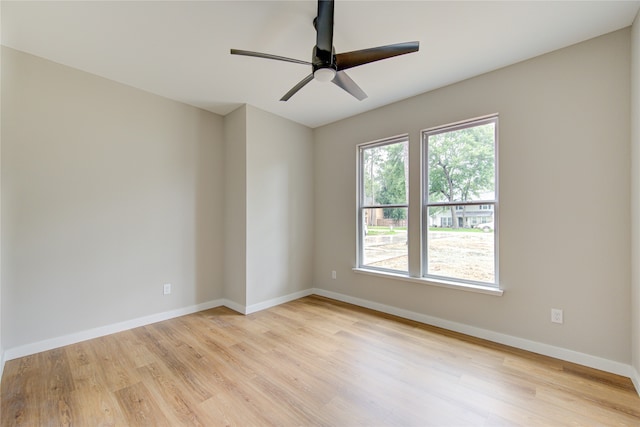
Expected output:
(461, 285)
(424, 206)
(468, 287)
(359, 206)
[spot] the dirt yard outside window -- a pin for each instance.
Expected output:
(460, 254)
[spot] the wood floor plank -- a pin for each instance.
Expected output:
(139, 406)
(182, 409)
(313, 361)
(113, 366)
(20, 380)
(180, 363)
(57, 387)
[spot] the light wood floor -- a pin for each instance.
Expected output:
(313, 361)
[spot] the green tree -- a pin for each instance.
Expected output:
(384, 172)
(372, 158)
(461, 165)
(393, 189)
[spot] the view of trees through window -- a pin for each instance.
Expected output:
(460, 202)
(384, 205)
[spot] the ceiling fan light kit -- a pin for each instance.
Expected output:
(328, 66)
(324, 74)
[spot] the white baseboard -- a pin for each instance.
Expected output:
(234, 306)
(521, 343)
(248, 309)
(1, 363)
(49, 344)
(277, 301)
(635, 378)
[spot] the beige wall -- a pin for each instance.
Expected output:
(279, 207)
(108, 192)
(235, 206)
(635, 197)
(564, 201)
(268, 207)
(1, 345)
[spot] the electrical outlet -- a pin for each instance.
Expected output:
(166, 289)
(556, 315)
(333, 274)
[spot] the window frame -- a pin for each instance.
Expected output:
(361, 207)
(426, 204)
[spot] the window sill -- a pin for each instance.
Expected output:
(488, 290)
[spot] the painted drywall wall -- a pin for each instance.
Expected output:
(268, 207)
(235, 206)
(279, 207)
(635, 196)
(1, 346)
(564, 198)
(108, 193)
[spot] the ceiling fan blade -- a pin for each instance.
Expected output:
(297, 87)
(267, 56)
(359, 57)
(324, 26)
(345, 82)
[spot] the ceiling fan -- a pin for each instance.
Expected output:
(326, 65)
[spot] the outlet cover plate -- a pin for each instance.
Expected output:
(556, 315)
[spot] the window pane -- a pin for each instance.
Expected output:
(384, 170)
(385, 239)
(460, 243)
(462, 164)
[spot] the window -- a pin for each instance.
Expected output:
(460, 202)
(459, 224)
(383, 205)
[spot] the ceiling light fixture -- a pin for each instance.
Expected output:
(324, 74)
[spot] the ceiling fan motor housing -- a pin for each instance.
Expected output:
(323, 59)
(323, 65)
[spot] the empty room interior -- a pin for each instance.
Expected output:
(320, 213)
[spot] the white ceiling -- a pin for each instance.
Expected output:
(180, 49)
